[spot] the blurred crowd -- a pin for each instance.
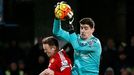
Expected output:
(22, 58)
(117, 58)
(29, 59)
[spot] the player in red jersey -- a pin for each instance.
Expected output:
(59, 63)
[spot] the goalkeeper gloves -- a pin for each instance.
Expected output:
(70, 26)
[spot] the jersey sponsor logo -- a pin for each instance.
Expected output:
(64, 65)
(52, 60)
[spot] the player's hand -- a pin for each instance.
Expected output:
(70, 15)
(70, 26)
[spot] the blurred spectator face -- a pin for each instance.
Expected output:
(110, 43)
(122, 56)
(21, 65)
(109, 71)
(13, 66)
(124, 71)
(41, 59)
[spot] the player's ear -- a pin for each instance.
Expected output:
(93, 29)
(53, 48)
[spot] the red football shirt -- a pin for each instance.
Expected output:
(60, 63)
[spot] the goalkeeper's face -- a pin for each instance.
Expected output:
(85, 31)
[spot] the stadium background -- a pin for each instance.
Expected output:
(24, 21)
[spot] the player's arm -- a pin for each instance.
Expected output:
(73, 40)
(64, 72)
(47, 71)
(57, 29)
(59, 32)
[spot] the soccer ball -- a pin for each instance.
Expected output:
(63, 11)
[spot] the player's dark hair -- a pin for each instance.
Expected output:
(88, 21)
(50, 41)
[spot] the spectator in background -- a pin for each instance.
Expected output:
(125, 71)
(22, 67)
(41, 64)
(12, 69)
(122, 61)
(109, 55)
(130, 51)
(36, 60)
(14, 52)
(109, 71)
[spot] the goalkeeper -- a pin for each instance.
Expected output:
(87, 48)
